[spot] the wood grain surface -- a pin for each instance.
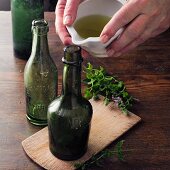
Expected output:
(108, 123)
(146, 73)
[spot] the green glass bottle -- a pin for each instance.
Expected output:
(23, 13)
(40, 76)
(69, 116)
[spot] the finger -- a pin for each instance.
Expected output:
(141, 39)
(85, 54)
(124, 16)
(70, 11)
(131, 46)
(159, 25)
(63, 34)
(60, 28)
(132, 32)
(152, 29)
(158, 31)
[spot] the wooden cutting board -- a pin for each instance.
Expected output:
(108, 123)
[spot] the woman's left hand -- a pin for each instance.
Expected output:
(142, 20)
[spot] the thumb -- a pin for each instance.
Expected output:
(120, 19)
(70, 11)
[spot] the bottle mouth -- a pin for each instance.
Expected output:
(72, 49)
(39, 23)
(40, 26)
(72, 55)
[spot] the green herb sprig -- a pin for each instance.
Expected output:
(100, 83)
(97, 159)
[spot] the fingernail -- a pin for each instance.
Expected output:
(110, 52)
(67, 19)
(104, 38)
(118, 54)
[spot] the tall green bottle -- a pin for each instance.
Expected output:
(40, 76)
(69, 116)
(23, 13)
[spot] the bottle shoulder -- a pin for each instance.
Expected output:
(55, 104)
(67, 105)
(37, 70)
(40, 60)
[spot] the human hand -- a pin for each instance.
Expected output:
(66, 11)
(142, 20)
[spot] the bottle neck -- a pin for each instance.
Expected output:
(40, 45)
(71, 80)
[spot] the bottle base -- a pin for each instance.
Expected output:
(68, 157)
(36, 121)
(22, 55)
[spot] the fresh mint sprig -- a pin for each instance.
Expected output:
(100, 83)
(97, 159)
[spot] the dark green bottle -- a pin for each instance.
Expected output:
(69, 116)
(23, 13)
(40, 76)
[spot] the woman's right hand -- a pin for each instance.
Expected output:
(66, 11)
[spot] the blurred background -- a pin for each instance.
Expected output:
(49, 5)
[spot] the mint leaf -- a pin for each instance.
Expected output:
(100, 83)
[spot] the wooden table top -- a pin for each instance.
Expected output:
(146, 72)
